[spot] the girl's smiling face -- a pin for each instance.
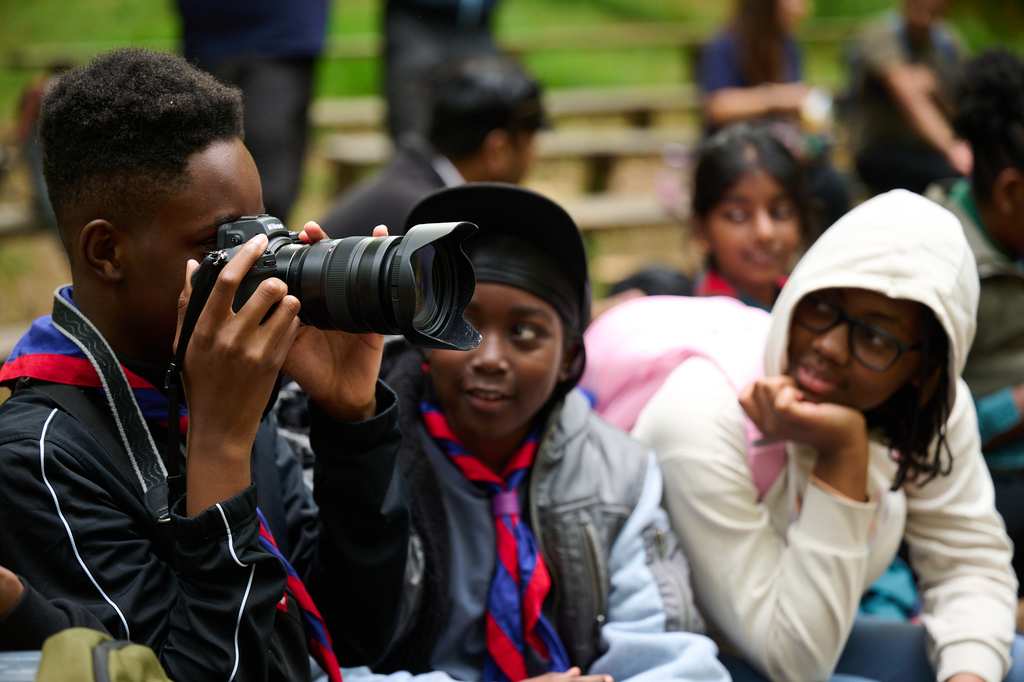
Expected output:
(752, 233)
(491, 394)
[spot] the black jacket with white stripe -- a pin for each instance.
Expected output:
(207, 602)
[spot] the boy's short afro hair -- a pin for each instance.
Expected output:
(117, 133)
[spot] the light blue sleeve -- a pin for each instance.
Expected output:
(997, 413)
(364, 674)
(639, 647)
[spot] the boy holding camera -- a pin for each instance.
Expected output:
(144, 161)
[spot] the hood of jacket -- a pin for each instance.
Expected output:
(898, 244)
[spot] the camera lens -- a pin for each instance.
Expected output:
(417, 285)
(427, 268)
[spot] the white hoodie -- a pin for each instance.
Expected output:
(780, 578)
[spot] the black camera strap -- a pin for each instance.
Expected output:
(203, 280)
(146, 465)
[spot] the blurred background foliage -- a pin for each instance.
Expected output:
(109, 23)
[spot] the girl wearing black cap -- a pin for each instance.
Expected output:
(540, 549)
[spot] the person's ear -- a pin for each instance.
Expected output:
(568, 360)
(101, 250)
(498, 151)
(1008, 192)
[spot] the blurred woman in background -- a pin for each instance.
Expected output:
(752, 70)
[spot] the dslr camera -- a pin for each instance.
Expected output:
(417, 285)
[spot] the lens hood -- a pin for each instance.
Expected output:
(431, 283)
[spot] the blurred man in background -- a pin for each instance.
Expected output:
(902, 75)
(485, 112)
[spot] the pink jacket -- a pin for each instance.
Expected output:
(632, 348)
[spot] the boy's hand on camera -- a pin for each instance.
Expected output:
(574, 674)
(338, 370)
(231, 365)
(839, 433)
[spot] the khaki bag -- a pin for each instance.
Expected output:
(84, 655)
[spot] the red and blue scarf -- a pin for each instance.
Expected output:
(521, 580)
(712, 283)
(320, 645)
(44, 353)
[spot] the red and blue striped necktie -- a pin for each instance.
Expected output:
(521, 580)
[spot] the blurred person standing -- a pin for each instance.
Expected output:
(421, 36)
(485, 111)
(753, 70)
(268, 49)
(902, 72)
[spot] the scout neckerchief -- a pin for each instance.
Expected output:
(712, 283)
(320, 645)
(521, 580)
(65, 348)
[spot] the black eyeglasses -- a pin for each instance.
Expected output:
(870, 345)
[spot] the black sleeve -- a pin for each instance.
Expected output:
(90, 541)
(284, 498)
(357, 574)
(34, 618)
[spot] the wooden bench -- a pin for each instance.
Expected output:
(354, 153)
(626, 234)
(637, 103)
(17, 218)
(595, 213)
(347, 113)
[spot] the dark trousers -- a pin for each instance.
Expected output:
(1010, 505)
(882, 650)
(417, 43)
(898, 165)
(276, 93)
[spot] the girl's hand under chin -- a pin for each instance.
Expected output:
(839, 433)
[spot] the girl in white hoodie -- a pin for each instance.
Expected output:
(862, 382)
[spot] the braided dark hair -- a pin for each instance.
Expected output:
(990, 115)
(915, 416)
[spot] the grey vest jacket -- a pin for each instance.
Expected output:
(585, 482)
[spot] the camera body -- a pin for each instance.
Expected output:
(417, 285)
(238, 233)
